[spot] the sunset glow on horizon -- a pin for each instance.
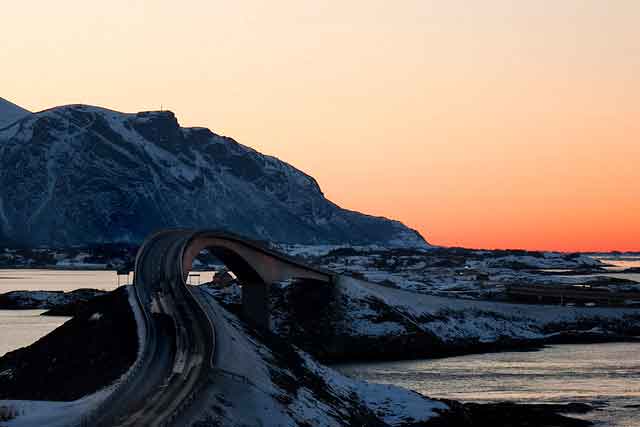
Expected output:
(492, 124)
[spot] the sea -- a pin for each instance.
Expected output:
(604, 375)
(19, 328)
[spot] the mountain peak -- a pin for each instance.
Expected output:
(10, 112)
(92, 175)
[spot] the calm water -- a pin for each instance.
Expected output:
(605, 374)
(19, 328)
(608, 374)
(66, 280)
(56, 280)
(621, 264)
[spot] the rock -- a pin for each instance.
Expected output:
(349, 322)
(119, 177)
(58, 303)
(77, 358)
(508, 414)
(291, 387)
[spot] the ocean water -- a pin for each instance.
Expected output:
(606, 375)
(620, 263)
(19, 328)
(56, 280)
(68, 280)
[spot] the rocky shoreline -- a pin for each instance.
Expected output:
(57, 303)
(509, 414)
(86, 353)
(318, 333)
(353, 323)
(53, 369)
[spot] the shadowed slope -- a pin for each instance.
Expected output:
(91, 175)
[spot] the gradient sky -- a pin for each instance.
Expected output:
(480, 123)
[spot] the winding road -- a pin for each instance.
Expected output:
(178, 346)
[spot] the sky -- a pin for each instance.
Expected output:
(493, 124)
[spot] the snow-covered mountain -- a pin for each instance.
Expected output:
(79, 174)
(10, 113)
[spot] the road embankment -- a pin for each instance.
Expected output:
(85, 354)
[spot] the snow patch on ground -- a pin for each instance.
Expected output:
(453, 319)
(32, 413)
(395, 405)
(288, 388)
(306, 251)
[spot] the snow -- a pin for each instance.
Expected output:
(70, 263)
(453, 319)
(460, 273)
(253, 388)
(140, 323)
(34, 413)
(120, 175)
(306, 251)
(65, 414)
(548, 260)
(395, 404)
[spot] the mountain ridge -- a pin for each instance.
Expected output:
(10, 112)
(79, 174)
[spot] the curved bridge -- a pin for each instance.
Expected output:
(179, 345)
(256, 266)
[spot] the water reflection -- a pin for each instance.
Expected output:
(19, 328)
(607, 373)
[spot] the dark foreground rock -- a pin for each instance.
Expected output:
(459, 414)
(58, 303)
(83, 355)
(509, 414)
(347, 323)
(94, 348)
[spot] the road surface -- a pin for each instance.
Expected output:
(179, 343)
(178, 349)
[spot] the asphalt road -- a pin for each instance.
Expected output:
(179, 342)
(179, 348)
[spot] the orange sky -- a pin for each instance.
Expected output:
(484, 124)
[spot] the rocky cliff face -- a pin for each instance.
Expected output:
(81, 175)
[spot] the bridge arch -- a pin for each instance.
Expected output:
(257, 267)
